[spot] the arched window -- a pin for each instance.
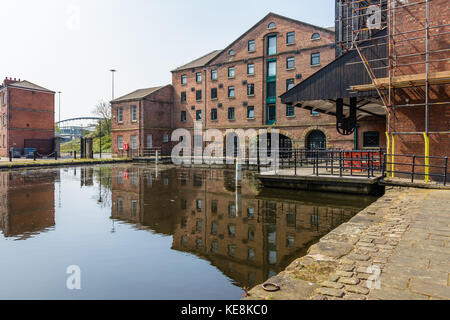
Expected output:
(316, 140)
(315, 36)
(272, 25)
(231, 52)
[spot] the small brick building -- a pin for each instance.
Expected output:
(27, 113)
(143, 120)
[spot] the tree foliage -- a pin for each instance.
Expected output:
(103, 110)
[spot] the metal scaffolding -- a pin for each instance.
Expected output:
(418, 58)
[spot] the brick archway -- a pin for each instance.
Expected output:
(309, 130)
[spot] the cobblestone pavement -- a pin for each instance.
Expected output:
(397, 248)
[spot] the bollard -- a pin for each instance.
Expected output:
(56, 155)
(34, 155)
(10, 155)
(74, 154)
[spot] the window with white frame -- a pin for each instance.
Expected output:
(120, 115)
(133, 142)
(133, 113)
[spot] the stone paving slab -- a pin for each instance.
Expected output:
(396, 249)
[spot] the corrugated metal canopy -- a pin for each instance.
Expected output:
(320, 91)
(366, 107)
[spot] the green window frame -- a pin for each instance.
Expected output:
(198, 95)
(198, 115)
(213, 93)
(371, 139)
(251, 69)
(213, 114)
(272, 44)
(214, 75)
(315, 58)
(290, 38)
(231, 113)
(198, 77)
(231, 72)
(250, 112)
(290, 63)
(290, 111)
(231, 92)
(290, 83)
(251, 46)
(250, 89)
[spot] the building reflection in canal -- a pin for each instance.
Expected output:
(248, 235)
(27, 203)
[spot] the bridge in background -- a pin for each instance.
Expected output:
(73, 128)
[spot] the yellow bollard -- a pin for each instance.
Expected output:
(427, 157)
(393, 156)
(388, 151)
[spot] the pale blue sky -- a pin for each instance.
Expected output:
(45, 42)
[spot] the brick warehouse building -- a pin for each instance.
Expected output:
(142, 119)
(240, 86)
(400, 69)
(27, 117)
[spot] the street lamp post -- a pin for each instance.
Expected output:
(113, 71)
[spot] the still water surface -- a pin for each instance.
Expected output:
(141, 233)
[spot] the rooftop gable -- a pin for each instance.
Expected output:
(269, 16)
(138, 94)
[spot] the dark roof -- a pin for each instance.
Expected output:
(200, 62)
(28, 85)
(138, 94)
(344, 72)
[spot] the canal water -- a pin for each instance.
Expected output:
(137, 232)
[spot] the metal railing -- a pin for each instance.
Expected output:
(417, 166)
(331, 162)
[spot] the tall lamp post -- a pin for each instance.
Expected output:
(113, 71)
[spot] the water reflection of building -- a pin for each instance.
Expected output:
(27, 203)
(247, 235)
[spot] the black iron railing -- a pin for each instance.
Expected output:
(330, 162)
(434, 168)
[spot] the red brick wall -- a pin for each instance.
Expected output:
(154, 115)
(412, 119)
(31, 116)
(295, 127)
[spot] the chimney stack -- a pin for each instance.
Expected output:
(9, 81)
